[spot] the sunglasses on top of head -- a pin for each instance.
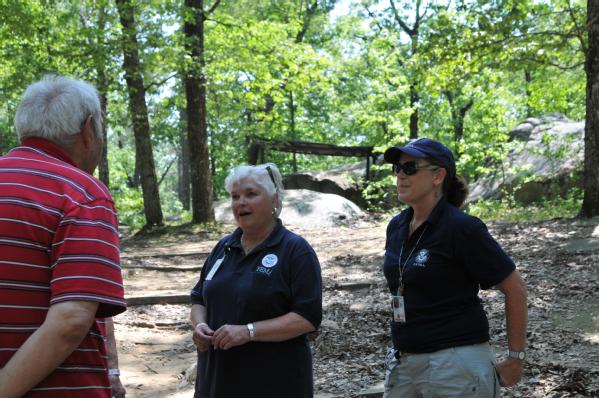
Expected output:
(410, 168)
(272, 177)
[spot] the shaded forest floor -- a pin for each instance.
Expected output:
(559, 260)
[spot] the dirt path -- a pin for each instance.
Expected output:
(557, 258)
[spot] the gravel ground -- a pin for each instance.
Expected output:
(559, 260)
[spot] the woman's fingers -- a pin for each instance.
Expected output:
(202, 336)
(229, 336)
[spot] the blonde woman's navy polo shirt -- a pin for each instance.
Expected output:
(279, 276)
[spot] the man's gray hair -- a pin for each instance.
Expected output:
(267, 176)
(55, 108)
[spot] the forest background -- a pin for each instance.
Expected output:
(186, 83)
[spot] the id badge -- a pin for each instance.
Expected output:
(399, 309)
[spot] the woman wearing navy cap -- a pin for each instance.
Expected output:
(259, 294)
(436, 259)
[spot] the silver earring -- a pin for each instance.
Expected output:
(274, 211)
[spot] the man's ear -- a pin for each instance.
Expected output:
(87, 132)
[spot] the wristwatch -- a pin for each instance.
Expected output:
(516, 354)
(250, 327)
(114, 372)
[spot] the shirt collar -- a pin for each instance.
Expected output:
(434, 216)
(48, 147)
(438, 211)
(273, 239)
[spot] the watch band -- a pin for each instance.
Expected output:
(114, 372)
(250, 327)
(516, 354)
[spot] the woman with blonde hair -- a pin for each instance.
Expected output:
(259, 294)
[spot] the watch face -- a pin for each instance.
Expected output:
(520, 355)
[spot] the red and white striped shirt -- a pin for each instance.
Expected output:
(58, 242)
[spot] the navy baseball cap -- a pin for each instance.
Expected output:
(424, 148)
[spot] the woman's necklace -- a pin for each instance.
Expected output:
(246, 248)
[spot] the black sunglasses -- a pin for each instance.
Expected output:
(410, 168)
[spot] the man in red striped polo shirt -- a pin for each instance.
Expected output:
(60, 275)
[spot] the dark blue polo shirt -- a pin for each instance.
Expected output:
(280, 275)
(454, 257)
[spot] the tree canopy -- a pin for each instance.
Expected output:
(361, 72)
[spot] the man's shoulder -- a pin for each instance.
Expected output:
(35, 163)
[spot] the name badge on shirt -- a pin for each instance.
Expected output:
(214, 268)
(399, 309)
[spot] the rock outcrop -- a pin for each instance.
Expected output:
(545, 161)
(304, 208)
(344, 181)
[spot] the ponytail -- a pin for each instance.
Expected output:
(456, 190)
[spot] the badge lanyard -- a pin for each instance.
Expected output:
(397, 302)
(405, 264)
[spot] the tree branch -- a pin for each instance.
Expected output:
(227, 24)
(466, 107)
(411, 32)
(376, 21)
(167, 169)
(555, 65)
(161, 82)
(580, 33)
(310, 11)
(211, 9)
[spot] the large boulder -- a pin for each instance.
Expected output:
(344, 181)
(545, 161)
(304, 208)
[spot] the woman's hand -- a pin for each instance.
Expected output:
(509, 371)
(229, 336)
(202, 336)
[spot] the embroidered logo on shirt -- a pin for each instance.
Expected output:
(270, 260)
(421, 258)
(264, 270)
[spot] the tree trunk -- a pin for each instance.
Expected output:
(528, 80)
(413, 33)
(590, 203)
(144, 160)
(184, 192)
(104, 171)
(458, 114)
(102, 85)
(414, 98)
(292, 134)
(197, 131)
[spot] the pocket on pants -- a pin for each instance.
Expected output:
(497, 384)
(451, 377)
(464, 372)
